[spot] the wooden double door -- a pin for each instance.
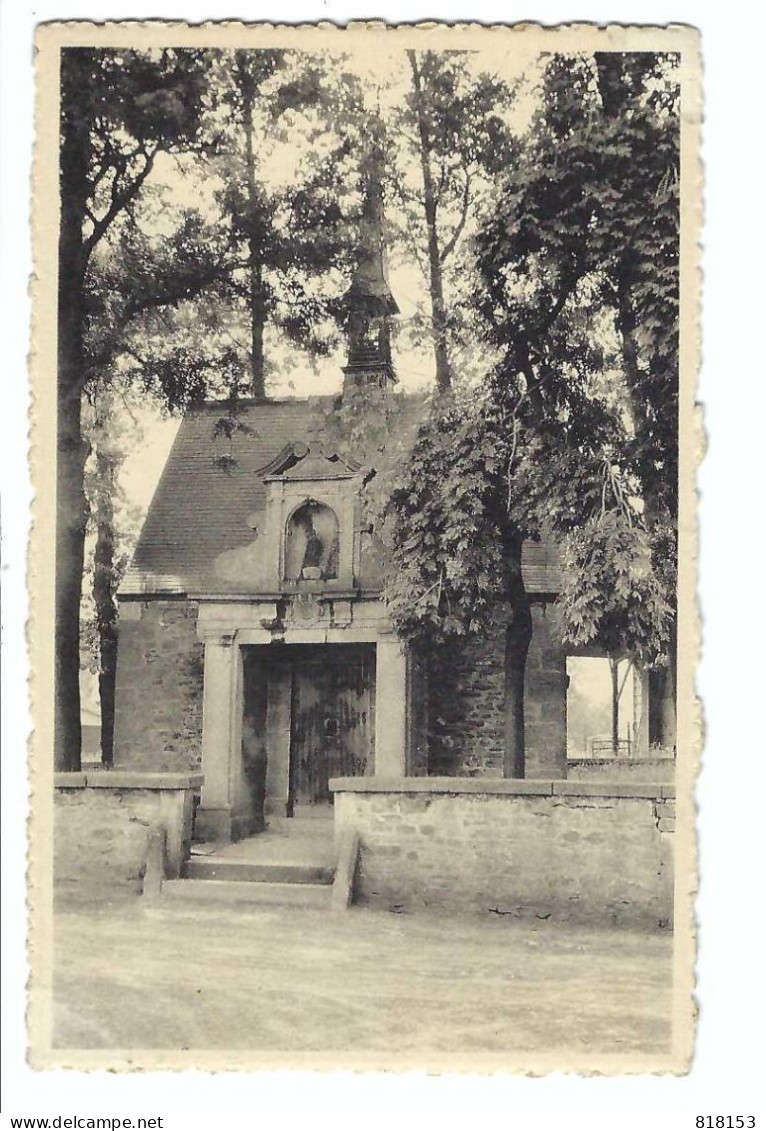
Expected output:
(332, 720)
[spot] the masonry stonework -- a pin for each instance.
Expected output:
(542, 850)
(160, 664)
(466, 697)
(465, 709)
(102, 823)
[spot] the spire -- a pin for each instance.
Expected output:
(369, 302)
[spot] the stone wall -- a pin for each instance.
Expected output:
(102, 823)
(661, 770)
(591, 853)
(160, 664)
(466, 698)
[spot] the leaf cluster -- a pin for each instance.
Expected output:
(592, 208)
(616, 591)
(447, 566)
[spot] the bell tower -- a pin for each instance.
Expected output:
(369, 302)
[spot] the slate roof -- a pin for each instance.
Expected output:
(201, 508)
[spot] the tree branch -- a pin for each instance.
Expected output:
(449, 246)
(118, 202)
(95, 181)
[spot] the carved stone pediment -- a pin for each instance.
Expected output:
(300, 462)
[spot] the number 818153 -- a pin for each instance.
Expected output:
(725, 1121)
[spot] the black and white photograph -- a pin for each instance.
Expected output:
(365, 553)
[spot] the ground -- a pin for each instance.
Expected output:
(132, 977)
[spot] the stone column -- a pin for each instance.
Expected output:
(240, 790)
(278, 740)
(220, 713)
(391, 709)
(545, 699)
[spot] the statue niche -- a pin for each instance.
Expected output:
(312, 543)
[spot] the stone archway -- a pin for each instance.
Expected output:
(229, 805)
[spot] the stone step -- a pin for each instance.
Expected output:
(233, 891)
(245, 871)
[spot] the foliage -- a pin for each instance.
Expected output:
(146, 310)
(447, 567)
(171, 292)
(126, 107)
(618, 596)
(592, 212)
(593, 205)
(575, 441)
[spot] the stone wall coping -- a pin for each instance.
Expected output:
(542, 787)
(659, 761)
(322, 592)
(126, 779)
(609, 789)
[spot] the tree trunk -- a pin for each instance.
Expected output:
(257, 325)
(614, 671)
(662, 681)
(436, 279)
(255, 265)
(518, 636)
(662, 699)
(103, 597)
(71, 515)
(610, 77)
(71, 450)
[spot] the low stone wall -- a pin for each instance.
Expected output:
(102, 822)
(598, 853)
(662, 770)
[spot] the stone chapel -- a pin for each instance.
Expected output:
(254, 642)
